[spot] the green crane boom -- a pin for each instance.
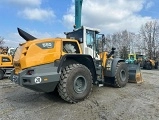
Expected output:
(78, 9)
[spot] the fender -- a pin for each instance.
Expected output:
(111, 73)
(86, 60)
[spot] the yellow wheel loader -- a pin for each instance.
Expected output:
(72, 64)
(6, 62)
(150, 64)
(146, 63)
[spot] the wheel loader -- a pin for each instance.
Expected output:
(72, 65)
(150, 64)
(145, 62)
(6, 62)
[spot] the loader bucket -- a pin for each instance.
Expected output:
(135, 75)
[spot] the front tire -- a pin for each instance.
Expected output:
(75, 83)
(121, 75)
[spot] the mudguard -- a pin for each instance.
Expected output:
(111, 72)
(86, 60)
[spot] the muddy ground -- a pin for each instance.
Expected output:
(133, 102)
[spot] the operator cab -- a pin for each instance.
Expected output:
(11, 51)
(88, 39)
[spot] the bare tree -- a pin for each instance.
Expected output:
(104, 43)
(1, 41)
(1, 44)
(122, 41)
(149, 34)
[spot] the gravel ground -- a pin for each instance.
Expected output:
(133, 102)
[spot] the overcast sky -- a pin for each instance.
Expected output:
(51, 18)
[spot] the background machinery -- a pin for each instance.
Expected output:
(6, 62)
(135, 58)
(131, 58)
(72, 64)
(149, 63)
(143, 61)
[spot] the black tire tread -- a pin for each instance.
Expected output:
(63, 81)
(116, 84)
(2, 74)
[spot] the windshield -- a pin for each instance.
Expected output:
(12, 51)
(77, 35)
(132, 57)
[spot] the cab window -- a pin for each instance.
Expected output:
(5, 59)
(70, 47)
(90, 36)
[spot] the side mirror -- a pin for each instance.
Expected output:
(111, 53)
(113, 48)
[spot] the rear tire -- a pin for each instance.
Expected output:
(75, 83)
(121, 75)
(1, 74)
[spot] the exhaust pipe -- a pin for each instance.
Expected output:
(25, 35)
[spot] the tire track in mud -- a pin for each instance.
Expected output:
(133, 100)
(128, 104)
(92, 110)
(96, 109)
(134, 94)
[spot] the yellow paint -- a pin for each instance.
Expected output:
(6, 64)
(103, 57)
(152, 62)
(29, 54)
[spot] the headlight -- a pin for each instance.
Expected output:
(109, 63)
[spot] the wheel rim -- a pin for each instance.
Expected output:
(123, 75)
(80, 84)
